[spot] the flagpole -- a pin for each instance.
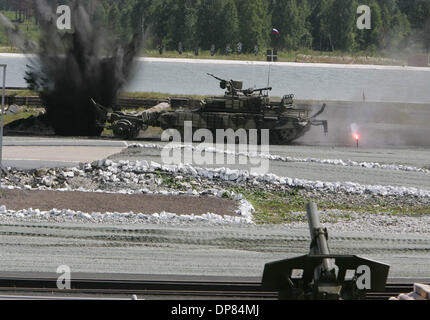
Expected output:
(4, 66)
(275, 32)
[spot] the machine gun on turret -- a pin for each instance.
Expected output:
(321, 275)
(235, 87)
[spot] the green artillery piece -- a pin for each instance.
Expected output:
(128, 126)
(321, 275)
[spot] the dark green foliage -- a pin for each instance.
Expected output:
(291, 18)
(324, 25)
(255, 25)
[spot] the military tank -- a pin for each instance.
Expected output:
(237, 109)
(243, 109)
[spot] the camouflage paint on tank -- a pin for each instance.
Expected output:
(249, 109)
(242, 109)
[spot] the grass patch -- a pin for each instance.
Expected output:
(284, 207)
(28, 28)
(171, 182)
(274, 207)
(107, 133)
(9, 49)
(8, 118)
(22, 93)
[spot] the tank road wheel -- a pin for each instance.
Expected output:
(274, 137)
(125, 129)
(279, 137)
(288, 136)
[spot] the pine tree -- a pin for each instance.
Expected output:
(323, 21)
(189, 33)
(208, 23)
(291, 20)
(255, 23)
(372, 39)
(417, 12)
(400, 29)
(325, 25)
(229, 24)
(342, 24)
(114, 17)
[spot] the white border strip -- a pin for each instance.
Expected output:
(337, 162)
(285, 64)
(260, 63)
(163, 217)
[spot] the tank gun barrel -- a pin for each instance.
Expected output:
(251, 91)
(215, 77)
(225, 84)
(319, 237)
(264, 89)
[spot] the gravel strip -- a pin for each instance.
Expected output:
(350, 221)
(128, 177)
(335, 162)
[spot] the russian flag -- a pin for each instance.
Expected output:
(275, 31)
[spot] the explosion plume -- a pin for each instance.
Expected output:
(71, 67)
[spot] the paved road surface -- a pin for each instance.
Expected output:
(325, 172)
(29, 153)
(190, 249)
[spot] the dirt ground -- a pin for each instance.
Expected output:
(122, 203)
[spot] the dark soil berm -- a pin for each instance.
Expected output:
(90, 202)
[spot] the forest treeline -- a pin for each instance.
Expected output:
(323, 25)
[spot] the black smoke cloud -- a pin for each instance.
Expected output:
(71, 67)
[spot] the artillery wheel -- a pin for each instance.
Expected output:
(125, 129)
